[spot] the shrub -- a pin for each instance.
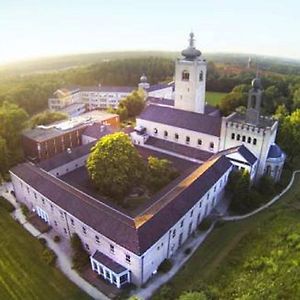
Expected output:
(205, 225)
(57, 239)
(43, 242)
(165, 266)
(24, 210)
(49, 257)
(187, 251)
(80, 257)
(6, 205)
(165, 293)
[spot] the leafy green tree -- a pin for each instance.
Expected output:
(47, 117)
(4, 157)
(193, 296)
(289, 135)
(233, 100)
(134, 103)
(160, 173)
(281, 112)
(80, 257)
(115, 166)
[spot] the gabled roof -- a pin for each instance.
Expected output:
(243, 151)
(182, 119)
(138, 233)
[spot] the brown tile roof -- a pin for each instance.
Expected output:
(135, 234)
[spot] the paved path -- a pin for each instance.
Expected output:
(63, 259)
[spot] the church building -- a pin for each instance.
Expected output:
(178, 125)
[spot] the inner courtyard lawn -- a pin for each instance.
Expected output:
(23, 273)
(214, 98)
(258, 258)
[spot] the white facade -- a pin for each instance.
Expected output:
(181, 136)
(190, 81)
(257, 140)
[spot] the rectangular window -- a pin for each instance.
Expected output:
(192, 213)
(97, 239)
(112, 248)
(128, 258)
(176, 136)
(83, 229)
(181, 224)
(254, 141)
(65, 230)
(165, 133)
(187, 139)
(199, 142)
(174, 233)
(244, 138)
(35, 195)
(233, 136)
(72, 222)
(87, 247)
(62, 215)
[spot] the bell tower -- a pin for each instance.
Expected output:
(254, 102)
(190, 79)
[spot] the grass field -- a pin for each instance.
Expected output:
(213, 98)
(257, 258)
(23, 274)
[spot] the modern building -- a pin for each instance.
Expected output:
(44, 142)
(129, 246)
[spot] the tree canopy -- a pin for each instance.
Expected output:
(47, 117)
(115, 166)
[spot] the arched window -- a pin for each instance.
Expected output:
(238, 137)
(249, 140)
(201, 76)
(254, 141)
(185, 76)
(211, 145)
(253, 101)
(233, 136)
(187, 139)
(199, 142)
(244, 139)
(165, 133)
(155, 131)
(176, 136)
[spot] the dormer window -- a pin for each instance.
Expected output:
(185, 76)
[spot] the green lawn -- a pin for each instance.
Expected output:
(258, 258)
(23, 274)
(213, 98)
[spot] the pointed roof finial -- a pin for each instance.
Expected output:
(191, 53)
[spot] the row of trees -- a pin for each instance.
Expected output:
(12, 121)
(116, 168)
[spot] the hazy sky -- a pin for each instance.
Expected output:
(34, 28)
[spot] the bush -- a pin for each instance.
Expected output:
(80, 257)
(187, 251)
(165, 266)
(204, 225)
(6, 205)
(43, 242)
(24, 210)
(49, 257)
(57, 239)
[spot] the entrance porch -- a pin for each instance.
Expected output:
(109, 269)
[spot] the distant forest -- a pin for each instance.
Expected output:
(30, 89)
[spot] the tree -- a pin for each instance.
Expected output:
(233, 100)
(115, 166)
(80, 257)
(160, 172)
(239, 187)
(289, 135)
(134, 103)
(4, 158)
(47, 117)
(193, 296)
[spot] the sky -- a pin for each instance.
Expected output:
(40, 28)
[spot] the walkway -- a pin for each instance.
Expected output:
(63, 258)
